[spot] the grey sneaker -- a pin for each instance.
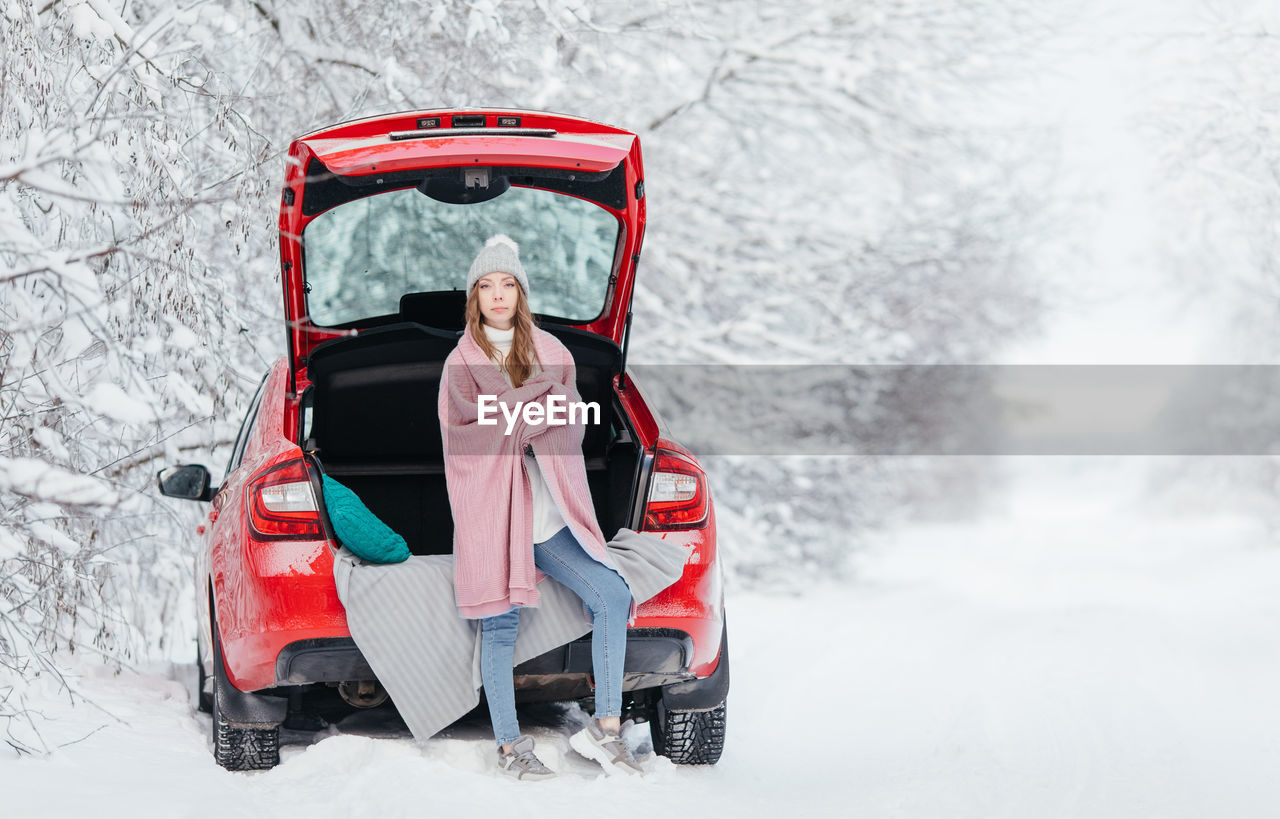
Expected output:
(521, 763)
(608, 749)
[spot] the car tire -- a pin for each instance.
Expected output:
(238, 748)
(688, 737)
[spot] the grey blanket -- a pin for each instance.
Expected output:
(404, 619)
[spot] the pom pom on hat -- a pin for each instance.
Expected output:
(500, 254)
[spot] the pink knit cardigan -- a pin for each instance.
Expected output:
(489, 491)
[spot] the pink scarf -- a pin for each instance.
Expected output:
(489, 492)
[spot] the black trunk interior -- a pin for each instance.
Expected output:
(374, 426)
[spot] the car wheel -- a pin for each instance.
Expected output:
(688, 737)
(238, 748)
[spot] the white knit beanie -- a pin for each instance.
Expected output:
(499, 254)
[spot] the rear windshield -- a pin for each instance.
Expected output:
(362, 256)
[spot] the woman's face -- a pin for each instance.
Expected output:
(499, 293)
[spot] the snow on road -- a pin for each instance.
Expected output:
(1073, 655)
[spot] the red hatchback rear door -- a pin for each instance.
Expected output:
(380, 209)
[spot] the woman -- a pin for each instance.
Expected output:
(522, 511)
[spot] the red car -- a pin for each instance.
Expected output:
(379, 220)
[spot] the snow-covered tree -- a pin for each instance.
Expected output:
(1212, 119)
(119, 320)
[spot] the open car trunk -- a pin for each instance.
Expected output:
(371, 418)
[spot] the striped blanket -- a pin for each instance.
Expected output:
(405, 620)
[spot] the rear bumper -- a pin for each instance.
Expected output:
(655, 656)
(287, 627)
(319, 649)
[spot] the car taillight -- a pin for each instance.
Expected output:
(677, 495)
(282, 505)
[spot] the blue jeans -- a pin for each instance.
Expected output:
(606, 597)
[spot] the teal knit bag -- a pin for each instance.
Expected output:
(359, 529)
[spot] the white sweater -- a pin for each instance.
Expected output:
(547, 519)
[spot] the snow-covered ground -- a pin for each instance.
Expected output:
(1074, 655)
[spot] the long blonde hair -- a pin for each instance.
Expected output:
(519, 362)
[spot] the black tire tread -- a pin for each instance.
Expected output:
(245, 749)
(691, 737)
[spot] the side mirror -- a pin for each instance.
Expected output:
(185, 481)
